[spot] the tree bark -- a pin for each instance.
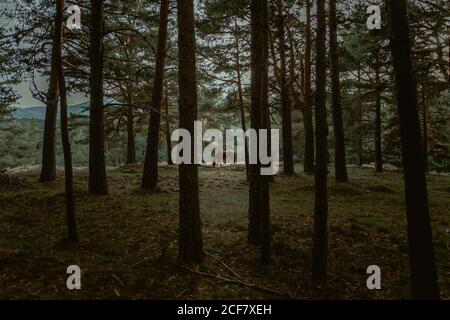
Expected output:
(259, 208)
(48, 169)
(340, 162)
(307, 111)
(150, 176)
(288, 156)
(68, 169)
(421, 251)
(190, 235)
(320, 246)
(97, 168)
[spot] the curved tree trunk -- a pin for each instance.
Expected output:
(97, 167)
(150, 176)
(320, 246)
(190, 241)
(68, 169)
(421, 251)
(340, 162)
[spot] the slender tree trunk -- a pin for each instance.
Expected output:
(320, 247)
(241, 97)
(421, 251)
(340, 162)
(131, 143)
(265, 180)
(68, 170)
(190, 234)
(308, 112)
(378, 147)
(360, 121)
(425, 130)
(150, 176)
(288, 156)
(48, 169)
(168, 132)
(97, 167)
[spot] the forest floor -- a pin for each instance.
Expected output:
(128, 240)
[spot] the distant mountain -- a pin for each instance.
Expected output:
(38, 113)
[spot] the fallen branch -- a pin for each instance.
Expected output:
(224, 264)
(238, 282)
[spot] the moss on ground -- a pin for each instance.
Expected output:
(129, 239)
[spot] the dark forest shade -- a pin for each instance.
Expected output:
(190, 233)
(288, 156)
(320, 246)
(336, 104)
(421, 251)
(68, 168)
(97, 168)
(150, 176)
(48, 169)
(308, 165)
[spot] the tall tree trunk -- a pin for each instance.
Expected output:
(241, 97)
(97, 167)
(265, 124)
(259, 208)
(340, 162)
(190, 235)
(288, 156)
(360, 121)
(421, 251)
(131, 142)
(168, 132)
(48, 169)
(320, 247)
(308, 112)
(150, 176)
(425, 129)
(68, 170)
(378, 147)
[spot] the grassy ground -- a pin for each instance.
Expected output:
(129, 239)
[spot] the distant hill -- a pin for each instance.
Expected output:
(38, 113)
